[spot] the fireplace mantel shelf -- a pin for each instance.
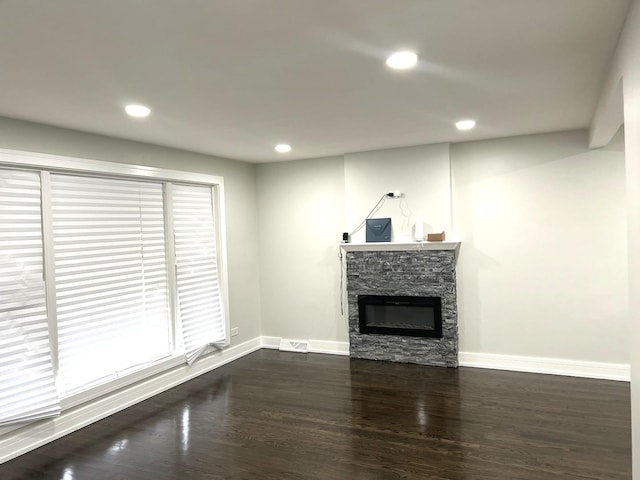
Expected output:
(399, 246)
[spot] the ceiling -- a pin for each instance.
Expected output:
(232, 78)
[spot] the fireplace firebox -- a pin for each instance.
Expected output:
(400, 315)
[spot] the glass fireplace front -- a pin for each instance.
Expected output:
(400, 315)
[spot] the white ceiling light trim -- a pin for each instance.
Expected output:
(283, 148)
(465, 124)
(138, 111)
(402, 60)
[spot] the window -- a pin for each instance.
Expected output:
(27, 388)
(110, 277)
(200, 309)
(105, 275)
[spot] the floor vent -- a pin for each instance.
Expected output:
(294, 346)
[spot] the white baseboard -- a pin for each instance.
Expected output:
(270, 342)
(553, 366)
(34, 435)
(332, 348)
(516, 363)
(314, 346)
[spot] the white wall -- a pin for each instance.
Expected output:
(421, 173)
(626, 66)
(240, 191)
(542, 268)
(304, 206)
(542, 224)
(300, 227)
(632, 146)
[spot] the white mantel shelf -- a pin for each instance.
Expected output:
(399, 246)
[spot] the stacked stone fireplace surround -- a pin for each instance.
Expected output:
(429, 273)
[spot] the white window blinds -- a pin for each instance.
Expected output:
(88, 299)
(199, 297)
(110, 277)
(27, 387)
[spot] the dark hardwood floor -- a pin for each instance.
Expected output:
(274, 415)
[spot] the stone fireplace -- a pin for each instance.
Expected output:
(402, 273)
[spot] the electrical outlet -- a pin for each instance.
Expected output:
(234, 331)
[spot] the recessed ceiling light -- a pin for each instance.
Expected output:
(402, 60)
(139, 111)
(283, 148)
(465, 124)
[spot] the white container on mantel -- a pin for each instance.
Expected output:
(399, 246)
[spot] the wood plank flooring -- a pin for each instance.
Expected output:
(276, 415)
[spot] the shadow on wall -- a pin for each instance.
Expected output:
(542, 219)
(470, 314)
(474, 162)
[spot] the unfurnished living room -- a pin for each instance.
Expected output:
(305, 239)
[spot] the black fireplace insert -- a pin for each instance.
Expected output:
(400, 315)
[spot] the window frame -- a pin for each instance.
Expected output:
(46, 164)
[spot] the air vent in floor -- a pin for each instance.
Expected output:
(294, 346)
